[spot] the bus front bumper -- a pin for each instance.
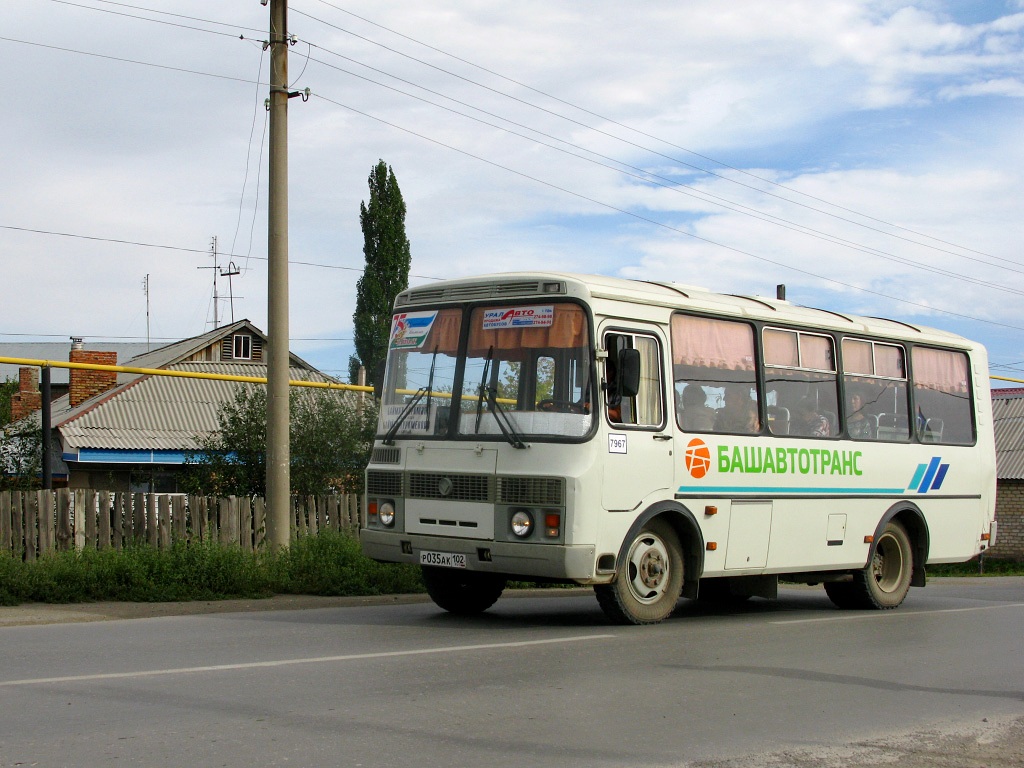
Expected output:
(553, 561)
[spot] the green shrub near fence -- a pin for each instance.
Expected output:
(330, 563)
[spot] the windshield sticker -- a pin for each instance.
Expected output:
(418, 421)
(519, 317)
(409, 330)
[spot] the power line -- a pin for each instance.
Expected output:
(187, 250)
(159, 21)
(679, 188)
(124, 60)
(742, 209)
(667, 226)
(496, 165)
(542, 93)
(639, 146)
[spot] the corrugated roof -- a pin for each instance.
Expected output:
(161, 412)
(1008, 422)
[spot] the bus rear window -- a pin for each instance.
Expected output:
(942, 397)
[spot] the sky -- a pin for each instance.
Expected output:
(867, 154)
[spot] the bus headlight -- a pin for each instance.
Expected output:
(522, 523)
(386, 514)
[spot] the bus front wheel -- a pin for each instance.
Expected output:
(886, 580)
(647, 588)
(462, 592)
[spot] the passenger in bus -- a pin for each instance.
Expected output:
(859, 426)
(807, 422)
(739, 413)
(697, 417)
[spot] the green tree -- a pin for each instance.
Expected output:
(386, 273)
(331, 437)
(8, 389)
(232, 461)
(21, 463)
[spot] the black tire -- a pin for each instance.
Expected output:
(462, 592)
(648, 587)
(885, 582)
(843, 594)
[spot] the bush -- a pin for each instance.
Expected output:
(328, 564)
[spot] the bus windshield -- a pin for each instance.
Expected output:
(527, 373)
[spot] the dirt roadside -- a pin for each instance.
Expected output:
(46, 613)
(990, 743)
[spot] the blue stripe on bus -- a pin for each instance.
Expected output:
(929, 475)
(940, 477)
(916, 480)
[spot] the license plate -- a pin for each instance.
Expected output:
(443, 559)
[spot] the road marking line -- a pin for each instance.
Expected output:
(855, 617)
(291, 662)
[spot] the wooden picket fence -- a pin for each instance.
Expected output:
(35, 522)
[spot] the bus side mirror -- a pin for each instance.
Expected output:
(629, 373)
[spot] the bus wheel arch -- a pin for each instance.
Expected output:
(895, 562)
(660, 557)
(908, 515)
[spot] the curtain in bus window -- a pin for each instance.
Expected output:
(857, 357)
(568, 330)
(942, 404)
(889, 361)
(780, 348)
(648, 399)
(444, 335)
(816, 353)
(708, 343)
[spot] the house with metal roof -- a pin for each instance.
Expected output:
(131, 431)
(1008, 422)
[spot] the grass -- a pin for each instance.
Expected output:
(327, 564)
(979, 567)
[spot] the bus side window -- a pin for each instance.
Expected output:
(715, 378)
(646, 408)
(942, 397)
(800, 373)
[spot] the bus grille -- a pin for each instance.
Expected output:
(431, 485)
(531, 491)
(383, 483)
(386, 455)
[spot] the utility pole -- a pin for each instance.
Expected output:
(278, 451)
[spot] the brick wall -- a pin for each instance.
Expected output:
(1010, 515)
(85, 384)
(28, 398)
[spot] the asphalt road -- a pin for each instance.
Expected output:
(537, 681)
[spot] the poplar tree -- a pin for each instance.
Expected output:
(386, 273)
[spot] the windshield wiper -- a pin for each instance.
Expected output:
(508, 429)
(480, 392)
(389, 437)
(489, 394)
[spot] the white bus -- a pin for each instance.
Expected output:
(660, 441)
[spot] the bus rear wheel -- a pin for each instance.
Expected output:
(648, 587)
(886, 580)
(462, 592)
